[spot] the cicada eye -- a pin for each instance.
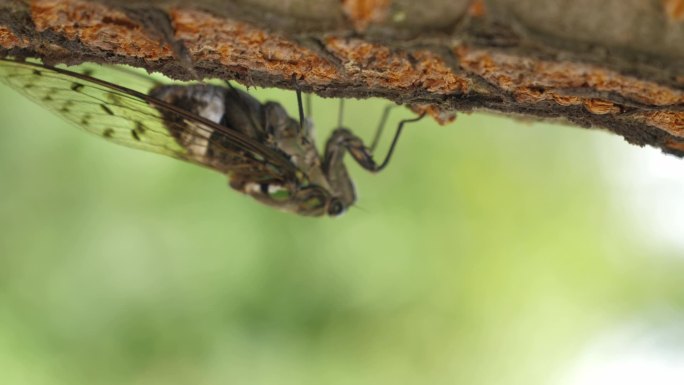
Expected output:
(335, 207)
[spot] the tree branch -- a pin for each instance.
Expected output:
(613, 64)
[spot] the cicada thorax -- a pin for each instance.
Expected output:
(268, 124)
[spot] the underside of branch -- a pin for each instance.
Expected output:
(613, 64)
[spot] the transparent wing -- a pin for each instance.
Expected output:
(134, 119)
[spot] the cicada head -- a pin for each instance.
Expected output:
(311, 200)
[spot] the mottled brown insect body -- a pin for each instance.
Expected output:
(265, 153)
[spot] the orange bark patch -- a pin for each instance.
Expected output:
(670, 121)
(674, 9)
(237, 44)
(440, 115)
(477, 8)
(601, 107)
(529, 95)
(364, 12)
(564, 100)
(378, 66)
(10, 40)
(675, 145)
(513, 73)
(595, 106)
(96, 26)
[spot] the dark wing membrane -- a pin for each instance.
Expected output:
(133, 119)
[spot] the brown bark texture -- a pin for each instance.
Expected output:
(611, 64)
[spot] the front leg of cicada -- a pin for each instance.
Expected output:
(343, 140)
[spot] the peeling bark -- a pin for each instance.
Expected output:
(614, 64)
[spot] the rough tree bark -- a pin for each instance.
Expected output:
(614, 64)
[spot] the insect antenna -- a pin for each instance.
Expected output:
(396, 138)
(360, 208)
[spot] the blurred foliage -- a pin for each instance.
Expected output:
(489, 252)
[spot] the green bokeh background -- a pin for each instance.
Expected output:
(491, 251)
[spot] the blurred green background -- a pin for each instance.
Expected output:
(490, 251)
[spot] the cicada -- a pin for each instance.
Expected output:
(265, 153)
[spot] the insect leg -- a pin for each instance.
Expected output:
(340, 113)
(396, 138)
(381, 127)
(300, 106)
(343, 140)
(301, 109)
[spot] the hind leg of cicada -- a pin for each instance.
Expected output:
(300, 107)
(343, 140)
(304, 109)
